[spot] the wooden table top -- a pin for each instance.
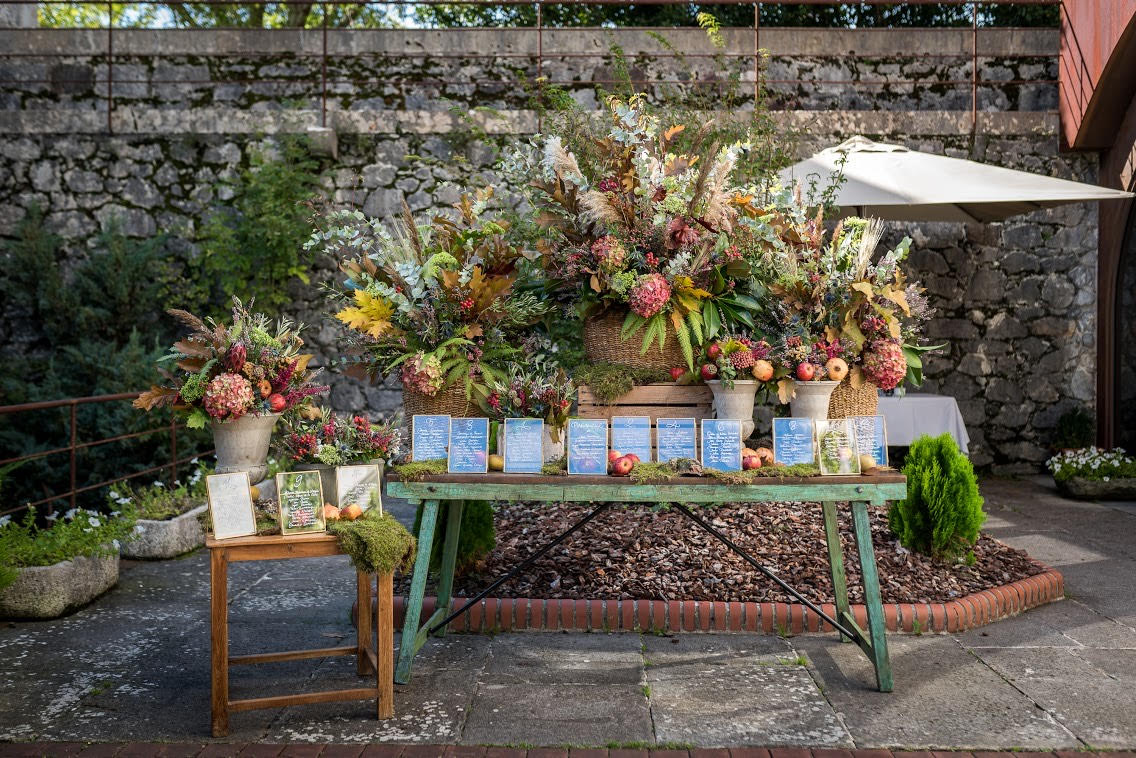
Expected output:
(523, 480)
(265, 540)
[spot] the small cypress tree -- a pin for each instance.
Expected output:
(943, 512)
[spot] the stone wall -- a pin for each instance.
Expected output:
(1016, 300)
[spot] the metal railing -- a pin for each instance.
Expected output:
(74, 446)
(539, 58)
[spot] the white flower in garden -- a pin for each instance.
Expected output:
(70, 514)
(5, 520)
(93, 521)
(50, 517)
(158, 483)
(117, 546)
(138, 529)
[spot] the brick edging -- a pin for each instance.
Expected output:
(505, 614)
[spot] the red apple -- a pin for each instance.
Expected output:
(751, 462)
(806, 372)
(709, 371)
(612, 455)
(277, 402)
(713, 350)
(677, 373)
(634, 458)
(622, 466)
(762, 371)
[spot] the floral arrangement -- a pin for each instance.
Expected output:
(225, 372)
(337, 441)
(1092, 463)
(25, 542)
(546, 394)
(734, 357)
(641, 230)
(439, 303)
(836, 309)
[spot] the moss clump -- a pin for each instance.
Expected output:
(778, 472)
(415, 472)
(376, 542)
(555, 467)
(610, 381)
(653, 473)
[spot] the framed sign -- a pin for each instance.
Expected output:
(524, 445)
(676, 438)
(301, 502)
(359, 485)
(632, 434)
(587, 446)
(429, 437)
(722, 444)
(794, 441)
(836, 447)
(230, 505)
(469, 446)
(871, 437)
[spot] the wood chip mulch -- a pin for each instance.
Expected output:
(645, 552)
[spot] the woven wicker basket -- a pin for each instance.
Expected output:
(602, 344)
(848, 401)
(450, 401)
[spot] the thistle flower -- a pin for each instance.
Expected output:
(650, 293)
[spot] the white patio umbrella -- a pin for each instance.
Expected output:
(896, 183)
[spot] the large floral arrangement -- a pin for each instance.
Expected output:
(639, 228)
(336, 441)
(250, 367)
(543, 394)
(837, 309)
(439, 303)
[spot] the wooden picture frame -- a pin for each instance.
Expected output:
(231, 513)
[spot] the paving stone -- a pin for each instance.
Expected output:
(594, 658)
(945, 697)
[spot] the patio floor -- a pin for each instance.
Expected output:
(134, 666)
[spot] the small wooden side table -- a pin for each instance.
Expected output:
(377, 658)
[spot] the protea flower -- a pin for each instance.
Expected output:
(650, 293)
(884, 364)
(228, 396)
(235, 358)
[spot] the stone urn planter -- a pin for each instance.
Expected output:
(550, 450)
(1096, 489)
(812, 399)
(47, 592)
(735, 402)
(159, 540)
(242, 445)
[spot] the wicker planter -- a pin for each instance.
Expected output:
(602, 344)
(848, 401)
(449, 401)
(47, 592)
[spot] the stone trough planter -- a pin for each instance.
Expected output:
(47, 592)
(1095, 489)
(158, 540)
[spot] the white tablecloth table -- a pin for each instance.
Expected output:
(915, 414)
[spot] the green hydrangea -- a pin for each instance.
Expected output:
(261, 339)
(329, 455)
(622, 282)
(194, 387)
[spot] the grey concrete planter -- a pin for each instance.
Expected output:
(46, 592)
(1094, 489)
(157, 540)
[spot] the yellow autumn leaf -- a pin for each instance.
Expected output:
(371, 314)
(899, 298)
(685, 286)
(863, 287)
(302, 361)
(786, 389)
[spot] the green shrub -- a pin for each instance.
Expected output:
(1075, 429)
(943, 512)
(78, 532)
(1092, 463)
(157, 502)
(478, 534)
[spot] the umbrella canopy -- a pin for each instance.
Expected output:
(893, 182)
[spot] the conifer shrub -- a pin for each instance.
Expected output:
(943, 512)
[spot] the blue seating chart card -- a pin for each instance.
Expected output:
(678, 438)
(794, 441)
(871, 438)
(587, 446)
(722, 444)
(524, 445)
(632, 434)
(430, 435)
(469, 446)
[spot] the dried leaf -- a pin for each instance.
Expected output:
(155, 397)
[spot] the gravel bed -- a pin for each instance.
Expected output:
(638, 551)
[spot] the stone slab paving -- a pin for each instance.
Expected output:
(134, 667)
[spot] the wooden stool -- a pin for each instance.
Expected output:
(378, 658)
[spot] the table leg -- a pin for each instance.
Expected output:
(836, 562)
(408, 645)
(872, 600)
(384, 647)
(362, 622)
(219, 639)
(449, 559)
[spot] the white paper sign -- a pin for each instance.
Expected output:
(358, 484)
(230, 505)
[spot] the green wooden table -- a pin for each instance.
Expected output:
(454, 489)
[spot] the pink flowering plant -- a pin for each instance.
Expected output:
(337, 440)
(543, 393)
(221, 372)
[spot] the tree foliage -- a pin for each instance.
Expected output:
(943, 512)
